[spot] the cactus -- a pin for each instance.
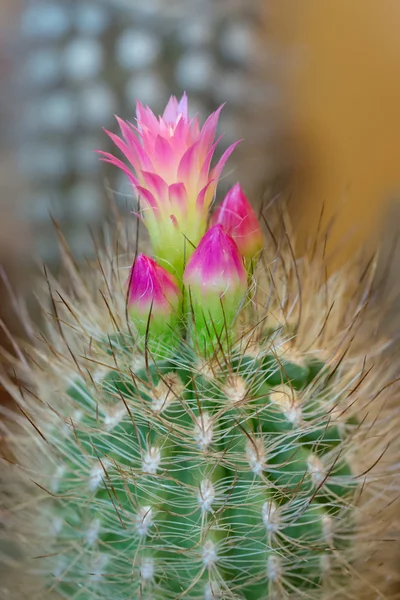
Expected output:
(211, 428)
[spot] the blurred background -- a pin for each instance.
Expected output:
(71, 65)
(312, 88)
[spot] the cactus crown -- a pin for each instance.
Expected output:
(190, 434)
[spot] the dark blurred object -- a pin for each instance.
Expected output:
(14, 232)
(14, 276)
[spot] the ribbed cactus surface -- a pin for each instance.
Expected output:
(206, 423)
(183, 479)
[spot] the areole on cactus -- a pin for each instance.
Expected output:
(181, 435)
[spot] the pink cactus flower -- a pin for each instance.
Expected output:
(238, 218)
(153, 292)
(170, 168)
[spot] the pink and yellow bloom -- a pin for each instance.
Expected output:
(238, 218)
(217, 281)
(153, 297)
(170, 168)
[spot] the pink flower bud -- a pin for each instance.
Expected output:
(154, 293)
(216, 266)
(238, 218)
(217, 281)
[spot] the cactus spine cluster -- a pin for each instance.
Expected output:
(206, 433)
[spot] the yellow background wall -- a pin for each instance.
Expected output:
(340, 73)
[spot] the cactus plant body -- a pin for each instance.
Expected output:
(209, 426)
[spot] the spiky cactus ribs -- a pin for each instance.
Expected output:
(218, 479)
(208, 427)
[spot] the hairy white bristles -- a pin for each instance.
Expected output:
(60, 567)
(138, 362)
(147, 569)
(327, 529)
(114, 416)
(77, 416)
(56, 479)
(98, 565)
(206, 495)
(151, 460)
(166, 392)
(209, 554)
(56, 525)
(99, 374)
(144, 520)
(289, 352)
(97, 474)
(92, 533)
(70, 422)
(274, 567)
(326, 564)
(236, 391)
(255, 454)
(203, 431)
(270, 516)
(316, 469)
(207, 369)
(253, 349)
(212, 591)
(286, 398)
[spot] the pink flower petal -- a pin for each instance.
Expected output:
(112, 160)
(188, 166)
(183, 106)
(163, 156)
(127, 132)
(129, 152)
(174, 221)
(156, 185)
(194, 130)
(217, 170)
(209, 129)
(178, 195)
(149, 198)
(178, 140)
(171, 110)
(202, 200)
(133, 143)
(205, 169)
(145, 117)
(139, 114)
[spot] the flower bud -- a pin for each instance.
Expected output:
(238, 218)
(153, 299)
(216, 281)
